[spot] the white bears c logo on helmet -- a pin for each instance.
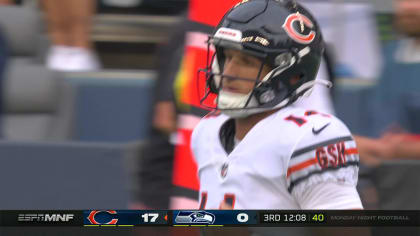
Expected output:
(294, 34)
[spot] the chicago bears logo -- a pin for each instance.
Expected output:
(292, 31)
(95, 219)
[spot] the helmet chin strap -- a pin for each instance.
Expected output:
(233, 105)
(324, 82)
(309, 86)
(230, 102)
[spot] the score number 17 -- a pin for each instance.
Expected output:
(150, 216)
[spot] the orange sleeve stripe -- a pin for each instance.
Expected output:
(313, 161)
(351, 151)
(301, 166)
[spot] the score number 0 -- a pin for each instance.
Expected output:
(242, 217)
(151, 216)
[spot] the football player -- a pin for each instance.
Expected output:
(257, 150)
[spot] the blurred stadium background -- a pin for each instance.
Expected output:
(72, 140)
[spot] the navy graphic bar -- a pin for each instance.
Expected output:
(126, 218)
(207, 218)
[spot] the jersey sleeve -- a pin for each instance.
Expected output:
(326, 155)
(202, 136)
(330, 195)
(198, 130)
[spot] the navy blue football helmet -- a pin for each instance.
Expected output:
(284, 36)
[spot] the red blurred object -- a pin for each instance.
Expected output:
(205, 13)
(209, 12)
(412, 137)
(185, 168)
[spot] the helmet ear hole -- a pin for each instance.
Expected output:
(294, 80)
(283, 89)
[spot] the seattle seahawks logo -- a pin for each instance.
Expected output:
(294, 33)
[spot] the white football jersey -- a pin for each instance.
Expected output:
(278, 161)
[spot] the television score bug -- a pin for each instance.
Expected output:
(204, 218)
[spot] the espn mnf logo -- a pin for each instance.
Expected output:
(45, 217)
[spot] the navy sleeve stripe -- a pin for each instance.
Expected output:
(299, 180)
(315, 146)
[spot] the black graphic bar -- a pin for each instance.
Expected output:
(208, 218)
(340, 218)
(41, 218)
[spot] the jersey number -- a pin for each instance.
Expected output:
(228, 199)
(300, 120)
